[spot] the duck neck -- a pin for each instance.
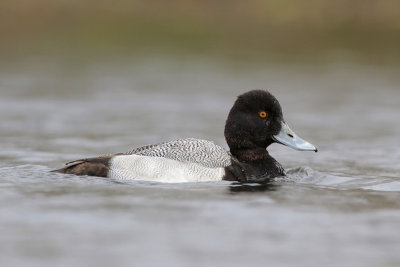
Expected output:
(257, 165)
(248, 155)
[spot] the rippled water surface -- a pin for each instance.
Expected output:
(337, 207)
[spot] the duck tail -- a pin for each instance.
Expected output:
(92, 167)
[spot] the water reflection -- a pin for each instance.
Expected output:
(253, 188)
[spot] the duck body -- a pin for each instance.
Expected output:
(183, 160)
(254, 122)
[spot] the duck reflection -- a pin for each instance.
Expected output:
(235, 188)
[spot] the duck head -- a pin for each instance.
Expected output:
(256, 121)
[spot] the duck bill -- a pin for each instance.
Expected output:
(288, 138)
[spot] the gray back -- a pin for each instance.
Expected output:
(191, 150)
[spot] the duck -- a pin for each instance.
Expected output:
(254, 122)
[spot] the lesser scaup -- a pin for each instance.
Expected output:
(254, 122)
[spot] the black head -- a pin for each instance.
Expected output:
(253, 120)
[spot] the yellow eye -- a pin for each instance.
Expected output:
(263, 114)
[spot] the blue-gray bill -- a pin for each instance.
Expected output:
(288, 138)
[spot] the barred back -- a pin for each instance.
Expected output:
(191, 150)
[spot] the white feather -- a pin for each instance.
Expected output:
(137, 167)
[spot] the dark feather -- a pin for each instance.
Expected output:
(98, 166)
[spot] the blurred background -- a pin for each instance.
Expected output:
(310, 31)
(72, 36)
(289, 31)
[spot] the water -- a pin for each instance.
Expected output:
(340, 206)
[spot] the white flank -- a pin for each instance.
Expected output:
(135, 167)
